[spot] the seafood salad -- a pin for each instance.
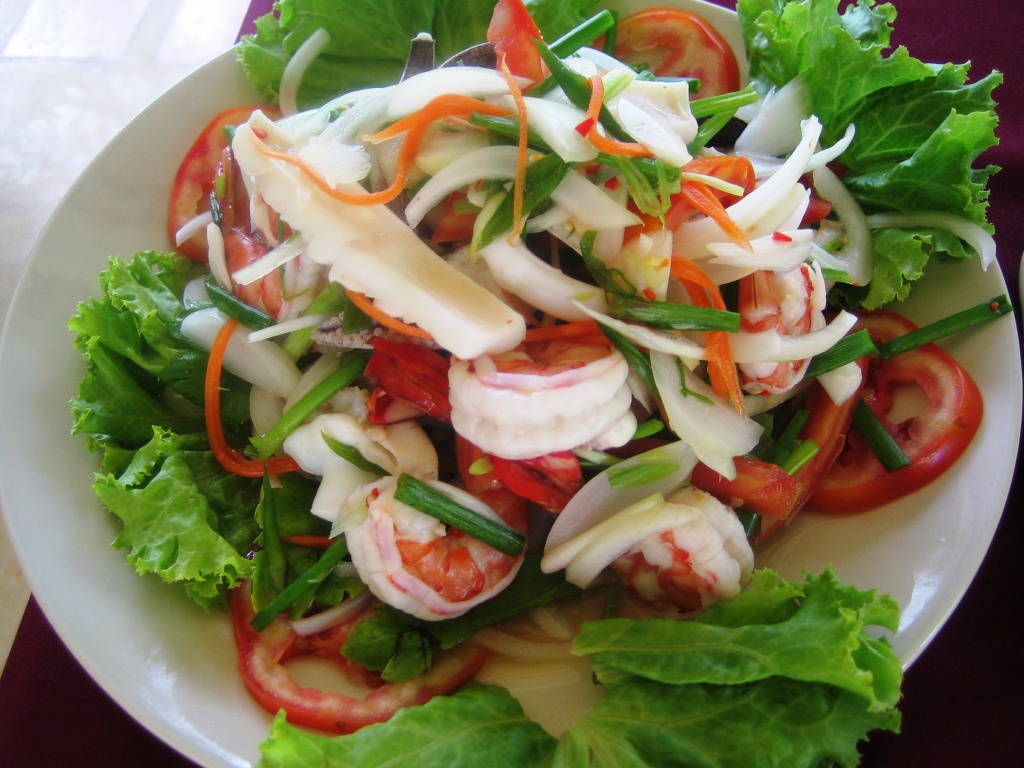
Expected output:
(565, 315)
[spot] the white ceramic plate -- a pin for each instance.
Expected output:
(170, 665)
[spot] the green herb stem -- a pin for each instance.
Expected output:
(426, 499)
(667, 314)
(947, 326)
(542, 177)
(352, 364)
(726, 102)
(353, 456)
(307, 582)
(236, 309)
(848, 349)
(878, 439)
(331, 300)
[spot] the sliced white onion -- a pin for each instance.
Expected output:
(588, 205)
(766, 252)
(857, 256)
(216, 256)
(441, 148)
(653, 129)
(841, 383)
(828, 155)
(599, 500)
(195, 293)
(772, 347)
(414, 93)
(271, 261)
(497, 162)
(555, 122)
(335, 163)
(757, 213)
(711, 426)
(975, 236)
(265, 409)
(366, 114)
(296, 68)
(295, 324)
(262, 363)
(775, 130)
(192, 226)
(341, 612)
(519, 271)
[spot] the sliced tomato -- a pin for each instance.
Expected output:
(411, 373)
(194, 180)
(766, 488)
(453, 224)
(676, 43)
(933, 439)
(262, 657)
(512, 31)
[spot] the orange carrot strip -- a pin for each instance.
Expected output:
(575, 330)
(415, 125)
(725, 380)
(519, 185)
(308, 540)
(601, 142)
(229, 458)
(705, 202)
(369, 308)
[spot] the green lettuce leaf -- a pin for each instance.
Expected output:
(171, 527)
(369, 40)
(919, 127)
(765, 724)
(140, 403)
(480, 726)
(815, 636)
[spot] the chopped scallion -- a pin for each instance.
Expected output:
(352, 364)
(353, 455)
(639, 474)
(878, 439)
(302, 586)
(947, 326)
(234, 308)
(803, 452)
(849, 348)
(430, 501)
(668, 314)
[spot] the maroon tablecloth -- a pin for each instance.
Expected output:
(962, 697)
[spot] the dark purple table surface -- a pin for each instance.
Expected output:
(962, 697)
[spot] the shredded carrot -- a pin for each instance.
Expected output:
(308, 540)
(725, 380)
(579, 329)
(518, 188)
(702, 199)
(370, 309)
(229, 458)
(601, 142)
(415, 127)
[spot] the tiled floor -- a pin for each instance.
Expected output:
(73, 73)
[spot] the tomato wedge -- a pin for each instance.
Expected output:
(512, 31)
(190, 194)
(765, 488)
(262, 656)
(676, 43)
(933, 439)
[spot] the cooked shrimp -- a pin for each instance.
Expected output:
(679, 553)
(704, 559)
(788, 303)
(543, 397)
(415, 563)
